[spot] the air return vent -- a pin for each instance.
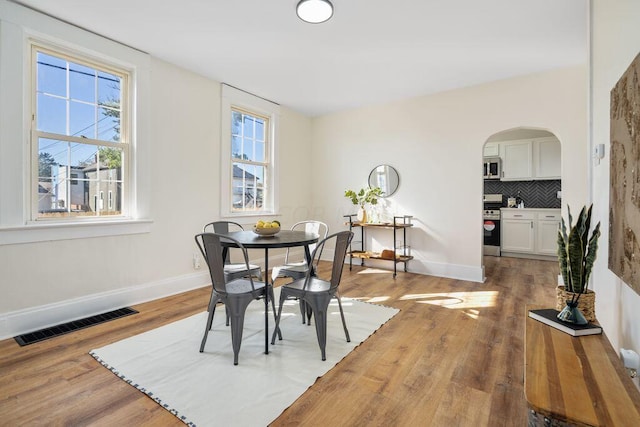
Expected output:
(74, 325)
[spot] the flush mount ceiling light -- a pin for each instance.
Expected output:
(314, 11)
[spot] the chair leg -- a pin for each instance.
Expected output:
(319, 304)
(212, 310)
(309, 313)
(303, 311)
(344, 323)
(275, 316)
(238, 308)
(283, 297)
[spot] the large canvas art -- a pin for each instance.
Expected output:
(624, 202)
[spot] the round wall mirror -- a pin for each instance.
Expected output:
(385, 177)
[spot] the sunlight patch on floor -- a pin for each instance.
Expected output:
(374, 271)
(456, 300)
(378, 299)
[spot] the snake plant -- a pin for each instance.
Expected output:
(577, 251)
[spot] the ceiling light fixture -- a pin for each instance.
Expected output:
(314, 11)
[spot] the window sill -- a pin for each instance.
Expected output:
(42, 232)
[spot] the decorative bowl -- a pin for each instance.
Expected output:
(266, 231)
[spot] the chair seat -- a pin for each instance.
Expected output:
(315, 285)
(234, 268)
(243, 286)
(295, 270)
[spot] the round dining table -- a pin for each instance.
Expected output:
(283, 239)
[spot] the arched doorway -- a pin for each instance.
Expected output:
(521, 170)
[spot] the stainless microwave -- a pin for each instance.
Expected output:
(492, 168)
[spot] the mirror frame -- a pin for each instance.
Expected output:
(390, 172)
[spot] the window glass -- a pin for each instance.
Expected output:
(249, 161)
(78, 131)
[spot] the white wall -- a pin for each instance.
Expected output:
(615, 43)
(50, 282)
(435, 142)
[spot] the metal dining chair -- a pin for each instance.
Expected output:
(316, 293)
(297, 268)
(236, 294)
(232, 270)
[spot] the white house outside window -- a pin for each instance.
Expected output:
(79, 137)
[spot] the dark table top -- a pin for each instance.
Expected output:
(284, 239)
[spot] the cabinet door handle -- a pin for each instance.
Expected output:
(517, 216)
(549, 216)
(531, 224)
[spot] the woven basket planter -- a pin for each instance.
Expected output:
(586, 303)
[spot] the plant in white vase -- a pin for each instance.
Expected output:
(364, 197)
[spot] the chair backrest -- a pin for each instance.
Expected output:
(310, 226)
(341, 240)
(210, 246)
(222, 227)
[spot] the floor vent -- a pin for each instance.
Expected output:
(65, 328)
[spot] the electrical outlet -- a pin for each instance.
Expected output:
(196, 261)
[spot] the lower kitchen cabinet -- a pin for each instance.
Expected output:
(530, 231)
(517, 232)
(547, 234)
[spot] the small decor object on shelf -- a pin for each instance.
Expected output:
(267, 228)
(550, 317)
(362, 198)
(576, 255)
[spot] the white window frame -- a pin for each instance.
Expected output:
(19, 27)
(238, 99)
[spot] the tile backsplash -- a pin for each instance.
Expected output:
(536, 194)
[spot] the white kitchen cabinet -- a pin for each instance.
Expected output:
(530, 231)
(528, 160)
(491, 149)
(546, 158)
(517, 160)
(547, 233)
(517, 232)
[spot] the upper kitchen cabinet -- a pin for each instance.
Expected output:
(517, 160)
(532, 159)
(546, 158)
(491, 149)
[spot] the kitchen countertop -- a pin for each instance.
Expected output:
(554, 210)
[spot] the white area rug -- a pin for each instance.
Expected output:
(206, 389)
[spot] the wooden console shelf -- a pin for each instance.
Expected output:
(399, 223)
(575, 381)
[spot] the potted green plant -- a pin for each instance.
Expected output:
(363, 198)
(576, 255)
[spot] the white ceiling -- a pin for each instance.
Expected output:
(371, 51)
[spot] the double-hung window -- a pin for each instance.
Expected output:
(249, 129)
(80, 140)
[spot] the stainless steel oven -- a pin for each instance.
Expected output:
(491, 223)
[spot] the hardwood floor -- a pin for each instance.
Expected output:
(453, 356)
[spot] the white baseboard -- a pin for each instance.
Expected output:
(34, 318)
(450, 271)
